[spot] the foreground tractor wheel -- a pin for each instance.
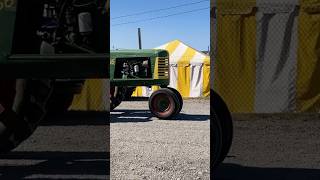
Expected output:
(59, 103)
(22, 107)
(221, 110)
(216, 144)
(164, 103)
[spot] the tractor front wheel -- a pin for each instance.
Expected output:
(22, 107)
(164, 103)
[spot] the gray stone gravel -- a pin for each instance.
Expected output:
(143, 147)
(274, 146)
(63, 147)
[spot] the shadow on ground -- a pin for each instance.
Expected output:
(54, 165)
(73, 118)
(124, 116)
(234, 171)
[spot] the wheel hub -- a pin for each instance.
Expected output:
(163, 103)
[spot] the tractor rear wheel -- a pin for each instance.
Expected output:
(117, 95)
(179, 98)
(164, 103)
(22, 107)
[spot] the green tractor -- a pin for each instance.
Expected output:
(47, 49)
(131, 68)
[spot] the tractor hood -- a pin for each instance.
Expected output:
(139, 53)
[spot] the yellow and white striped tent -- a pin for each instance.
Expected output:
(189, 71)
(267, 58)
(94, 96)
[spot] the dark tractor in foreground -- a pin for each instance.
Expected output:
(41, 41)
(131, 68)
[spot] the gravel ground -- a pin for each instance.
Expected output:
(143, 147)
(277, 147)
(70, 147)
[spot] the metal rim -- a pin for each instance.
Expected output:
(162, 104)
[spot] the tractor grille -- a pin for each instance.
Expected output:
(163, 68)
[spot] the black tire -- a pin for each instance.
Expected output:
(117, 95)
(129, 91)
(62, 95)
(225, 118)
(168, 99)
(179, 97)
(59, 103)
(23, 111)
(216, 135)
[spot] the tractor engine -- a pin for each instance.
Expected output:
(61, 27)
(131, 68)
(67, 26)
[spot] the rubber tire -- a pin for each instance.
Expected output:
(179, 97)
(216, 144)
(117, 97)
(172, 97)
(59, 103)
(31, 109)
(129, 91)
(225, 118)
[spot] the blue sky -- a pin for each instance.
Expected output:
(191, 28)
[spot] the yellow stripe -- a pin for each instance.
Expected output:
(206, 78)
(90, 98)
(155, 88)
(172, 46)
(235, 65)
(156, 67)
(183, 85)
(137, 92)
(308, 69)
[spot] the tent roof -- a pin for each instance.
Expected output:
(182, 54)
